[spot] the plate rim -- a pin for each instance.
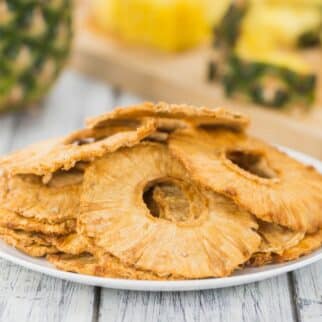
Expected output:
(182, 285)
(166, 286)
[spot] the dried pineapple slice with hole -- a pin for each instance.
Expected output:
(211, 239)
(258, 177)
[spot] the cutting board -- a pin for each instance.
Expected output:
(181, 78)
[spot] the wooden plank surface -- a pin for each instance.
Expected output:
(308, 293)
(25, 295)
(181, 78)
(29, 296)
(254, 302)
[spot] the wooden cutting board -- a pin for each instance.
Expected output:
(181, 78)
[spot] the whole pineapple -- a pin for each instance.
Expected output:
(34, 43)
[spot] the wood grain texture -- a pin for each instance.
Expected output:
(33, 297)
(254, 302)
(308, 293)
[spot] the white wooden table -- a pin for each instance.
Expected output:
(28, 296)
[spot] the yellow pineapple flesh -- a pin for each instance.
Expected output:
(162, 24)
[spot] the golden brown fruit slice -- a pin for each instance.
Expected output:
(211, 237)
(308, 244)
(51, 203)
(107, 266)
(171, 116)
(12, 220)
(84, 145)
(258, 177)
(33, 244)
(275, 241)
(79, 255)
(305, 246)
(38, 244)
(74, 244)
(275, 238)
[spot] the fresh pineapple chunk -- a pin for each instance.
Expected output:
(254, 55)
(279, 58)
(305, 3)
(169, 25)
(279, 26)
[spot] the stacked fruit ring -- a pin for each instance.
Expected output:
(159, 191)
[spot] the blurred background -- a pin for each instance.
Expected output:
(62, 61)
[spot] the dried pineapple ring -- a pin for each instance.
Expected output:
(173, 116)
(275, 238)
(258, 177)
(74, 244)
(77, 254)
(308, 244)
(11, 220)
(84, 145)
(275, 241)
(212, 241)
(107, 266)
(52, 203)
(36, 245)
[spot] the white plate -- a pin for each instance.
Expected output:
(241, 277)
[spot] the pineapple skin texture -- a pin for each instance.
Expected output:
(162, 24)
(34, 44)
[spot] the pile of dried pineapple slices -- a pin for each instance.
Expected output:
(160, 191)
